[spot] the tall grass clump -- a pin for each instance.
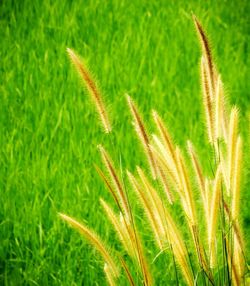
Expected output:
(208, 249)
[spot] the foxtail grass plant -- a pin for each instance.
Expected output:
(214, 258)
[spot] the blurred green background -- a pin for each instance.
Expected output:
(49, 128)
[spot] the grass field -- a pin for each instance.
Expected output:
(49, 129)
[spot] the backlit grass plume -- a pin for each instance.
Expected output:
(92, 88)
(142, 134)
(97, 243)
(201, 239)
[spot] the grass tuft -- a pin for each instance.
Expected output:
(216, 258)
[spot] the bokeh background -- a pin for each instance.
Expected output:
(49, 129)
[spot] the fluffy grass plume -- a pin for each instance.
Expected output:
(121, 228)
(236, 180)
(142, 134)
(207, 57)
(214, 209)
(215, 258)
(207, 100)
(232, 143)
(109, 275)
(148, 208)
(92, 88)
(95, 241)
(128, 230)
(221, 120)
(119, 189)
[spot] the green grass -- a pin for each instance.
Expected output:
(49, 130)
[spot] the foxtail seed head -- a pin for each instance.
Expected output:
(92, 88)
